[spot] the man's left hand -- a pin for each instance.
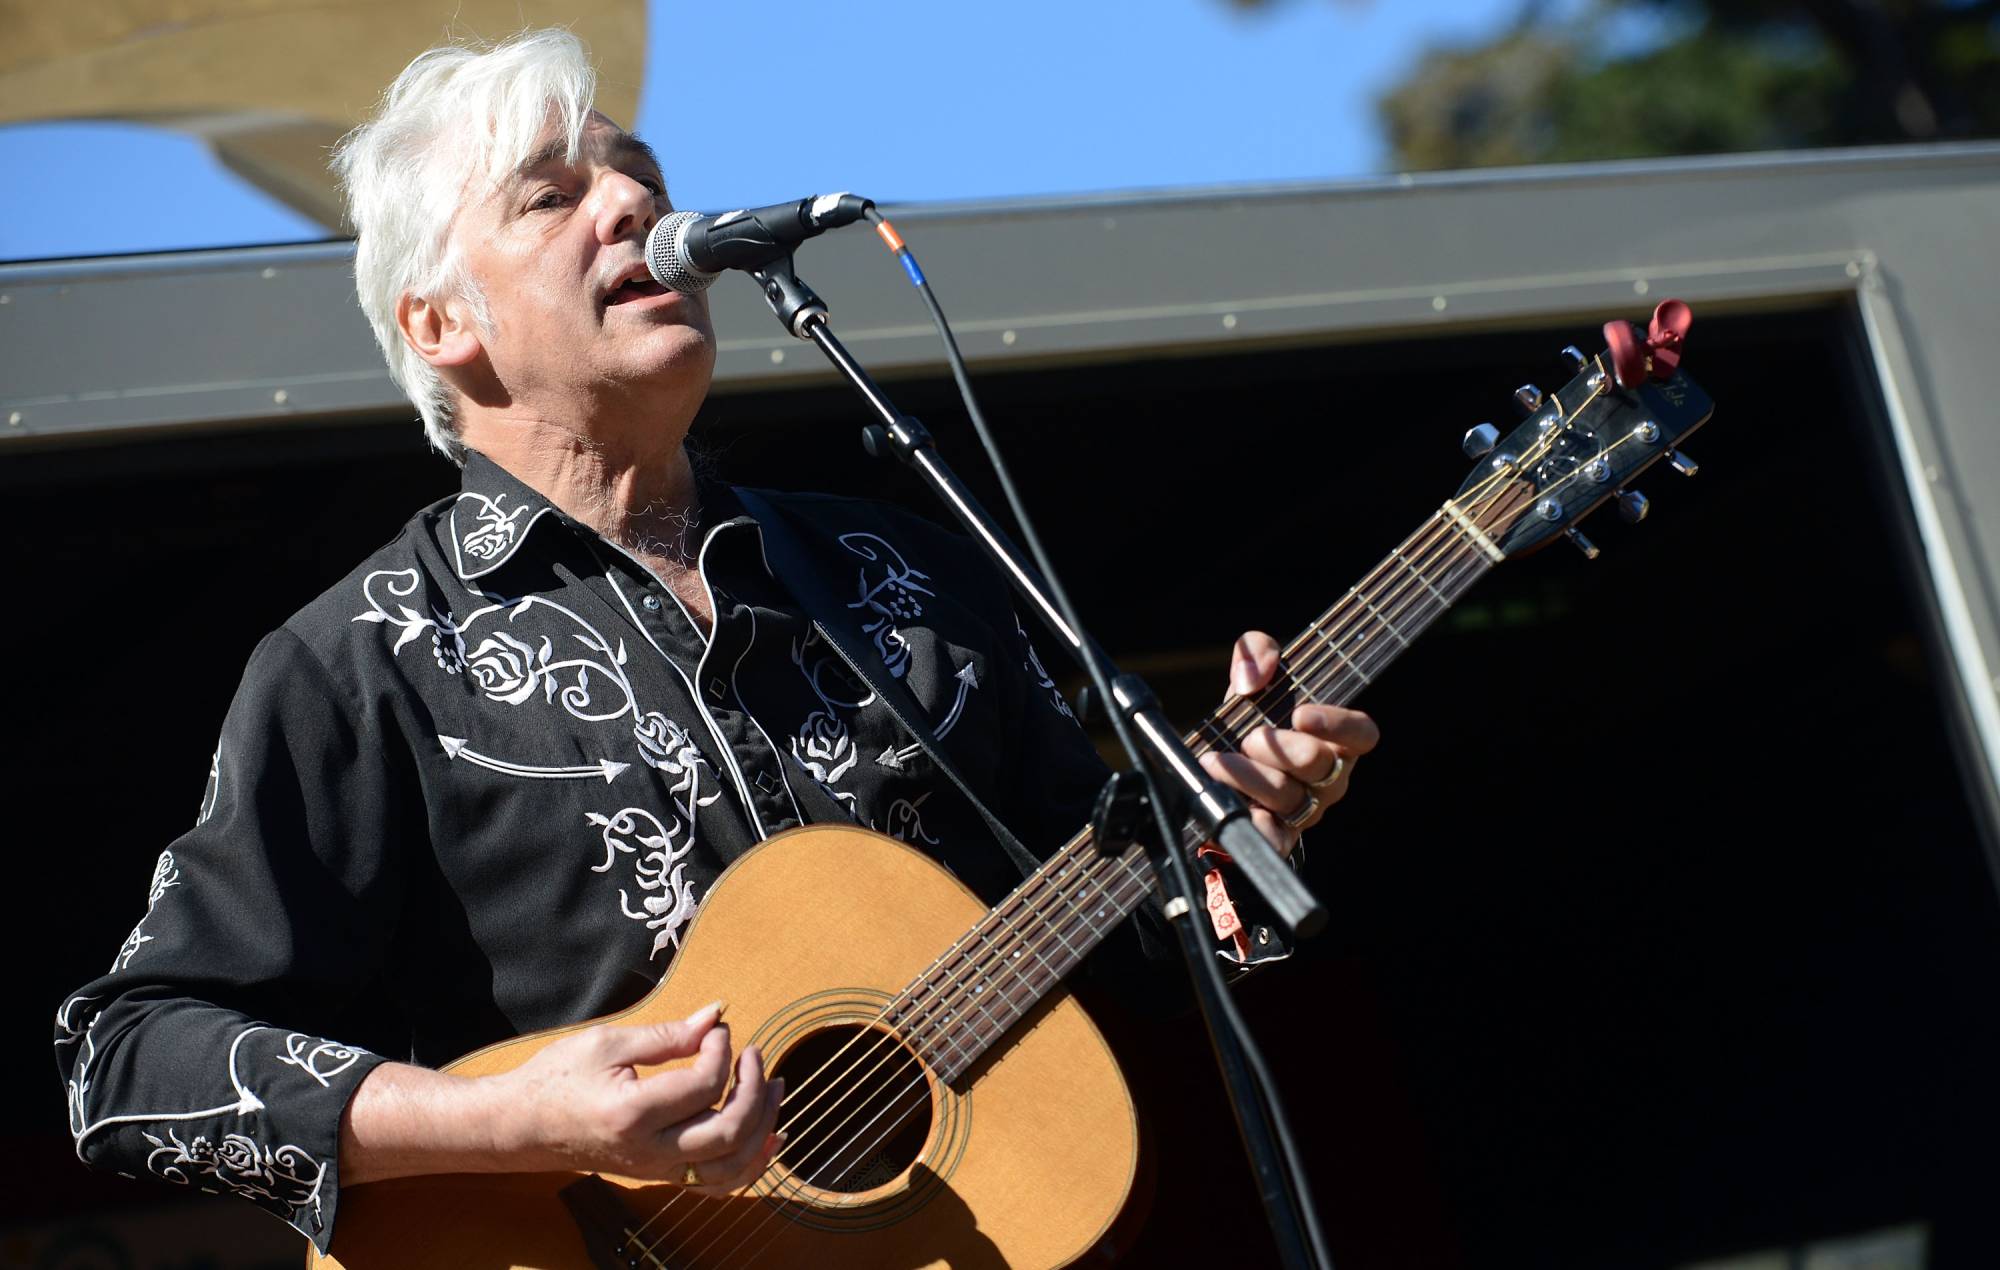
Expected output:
(1290, 775)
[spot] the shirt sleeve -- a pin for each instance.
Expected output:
(211, 1053)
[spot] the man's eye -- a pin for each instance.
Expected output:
(653, 184)
(545, 200)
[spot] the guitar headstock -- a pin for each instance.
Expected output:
(1626, 409)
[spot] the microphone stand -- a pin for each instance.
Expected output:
(1176, 790)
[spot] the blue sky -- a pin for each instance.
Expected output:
(902, 101)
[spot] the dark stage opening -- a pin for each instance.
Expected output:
(1663, 927)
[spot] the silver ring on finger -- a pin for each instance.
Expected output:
(1333, 774)
(1298, 819)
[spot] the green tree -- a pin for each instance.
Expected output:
(1633, 78)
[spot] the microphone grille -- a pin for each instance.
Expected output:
(666, 255)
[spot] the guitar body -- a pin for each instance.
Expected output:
(1026, 1160)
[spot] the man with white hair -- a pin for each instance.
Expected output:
(480, 786)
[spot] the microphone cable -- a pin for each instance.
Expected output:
(1101, 685)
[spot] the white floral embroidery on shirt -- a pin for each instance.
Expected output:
(166, 875)
(524, 662)
(283, 1174)
(1034, 667)
(320, 1059)
(903, 822)
(494, 533)
(822, 744)
(889, 590)
(212, 790)
(666, 896)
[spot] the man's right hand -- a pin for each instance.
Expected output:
(578, 1104)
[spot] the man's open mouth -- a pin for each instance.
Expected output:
(634, 289)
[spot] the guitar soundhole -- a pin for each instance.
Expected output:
(857, 1108)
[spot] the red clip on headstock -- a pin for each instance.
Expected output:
(1633, 361)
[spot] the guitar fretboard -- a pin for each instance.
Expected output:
(996, 974)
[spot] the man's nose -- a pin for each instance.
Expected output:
(625, 208)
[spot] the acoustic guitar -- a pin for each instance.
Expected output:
(948, 1103)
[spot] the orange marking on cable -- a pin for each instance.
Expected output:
(889, 235)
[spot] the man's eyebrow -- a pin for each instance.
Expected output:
(623, 146)
(629, 146)
(554, 150)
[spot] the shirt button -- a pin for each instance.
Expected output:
(651, 603)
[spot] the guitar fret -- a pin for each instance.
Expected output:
(1419, 576)
(1341, 653)
(1357, 594)
(1222, 738)
(978, 986)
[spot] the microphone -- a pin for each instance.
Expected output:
(687, 250)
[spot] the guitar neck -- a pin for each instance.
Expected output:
(992, 977)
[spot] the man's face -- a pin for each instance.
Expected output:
(578, 323)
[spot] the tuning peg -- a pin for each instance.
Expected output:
(1529, 396)
(1682, 463)
(1575, 357)
(1633, 506)
(1479, 442)
(1583, 544)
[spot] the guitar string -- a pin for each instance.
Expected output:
(1301, 677)
(1497, 483)
(1053, 874)
(1333, 628)
(1000, 916)
(799, 1136)
(1502, 477)
(746, 1246)
(1334, 631)
(1398, 608)
(910, 1028)
(921, 1083)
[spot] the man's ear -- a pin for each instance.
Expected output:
(441, 331)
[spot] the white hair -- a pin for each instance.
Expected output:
(457, 115)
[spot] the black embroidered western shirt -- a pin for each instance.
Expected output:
(479, 787)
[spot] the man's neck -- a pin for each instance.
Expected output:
(640, 496)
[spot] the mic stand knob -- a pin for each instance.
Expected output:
(795, 303)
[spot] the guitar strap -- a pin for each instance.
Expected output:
(786, 552)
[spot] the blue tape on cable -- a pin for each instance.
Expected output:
(910, 267)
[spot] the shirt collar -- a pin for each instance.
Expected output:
(495, 512)
(492, 518)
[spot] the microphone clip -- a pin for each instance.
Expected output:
(797, 305)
